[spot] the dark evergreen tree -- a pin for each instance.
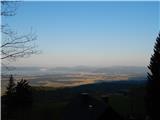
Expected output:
(9, 101)
(10, 93)
(23, 94)
(18, 99)
(23, 99)
(11, 86)
(153, 87)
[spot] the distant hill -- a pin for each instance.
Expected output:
(77, 69)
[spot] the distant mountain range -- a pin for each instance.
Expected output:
(78, 69)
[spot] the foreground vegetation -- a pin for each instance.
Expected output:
(126, 97)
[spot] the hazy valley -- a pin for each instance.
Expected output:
(73, 76)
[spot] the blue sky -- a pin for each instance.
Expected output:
(89, 33)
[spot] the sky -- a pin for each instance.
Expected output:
(88, 33)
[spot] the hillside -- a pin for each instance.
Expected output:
(125, 97)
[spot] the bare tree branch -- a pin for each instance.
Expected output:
(18, 54)
(13, 45)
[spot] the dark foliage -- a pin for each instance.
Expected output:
(153, 96)
(10, 97)
(20, 94)
(11, 88)
(23, 94)
(17, 98)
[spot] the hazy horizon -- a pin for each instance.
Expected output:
(112, 70)
(68, 66)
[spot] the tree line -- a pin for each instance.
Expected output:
(18, 96)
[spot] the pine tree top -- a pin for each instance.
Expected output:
(154, 66)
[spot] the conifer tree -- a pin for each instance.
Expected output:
(23, 94)
(11, 86)
(10, 93)
(10, 102)
(153, 87)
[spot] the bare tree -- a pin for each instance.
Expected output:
(13, 45)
